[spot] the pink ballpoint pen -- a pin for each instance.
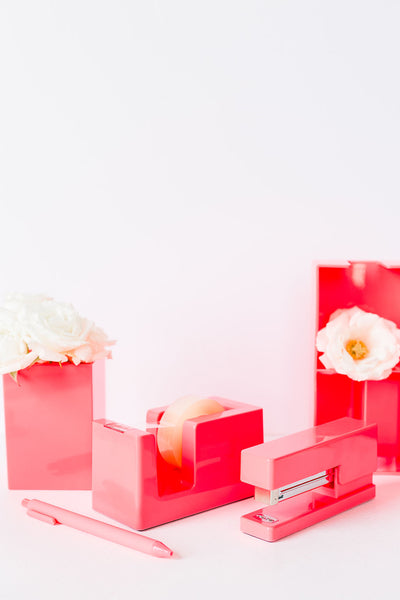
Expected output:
(54, 515)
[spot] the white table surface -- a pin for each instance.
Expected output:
(352, 555)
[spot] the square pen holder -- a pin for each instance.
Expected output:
(135, 486)
(375, 288)
(48, 418)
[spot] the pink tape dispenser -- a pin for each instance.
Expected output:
(309, 476)
(173, 469)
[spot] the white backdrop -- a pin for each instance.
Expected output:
(174, 169)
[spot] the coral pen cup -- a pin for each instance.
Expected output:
(54, 515)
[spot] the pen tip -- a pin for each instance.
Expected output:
(161, 550)
(25, 502)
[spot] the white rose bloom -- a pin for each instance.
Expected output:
(94, 348)
(14, 352)
(359, 344)
(19, 303)
(54, 329)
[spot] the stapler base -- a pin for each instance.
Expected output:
(272, 523)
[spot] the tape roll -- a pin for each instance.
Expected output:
(169, 435)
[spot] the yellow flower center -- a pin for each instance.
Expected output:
(357, 349)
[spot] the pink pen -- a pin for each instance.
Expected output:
(54, 515)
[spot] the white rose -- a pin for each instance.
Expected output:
(14, 352)
(53, 329)
(94, 347)
(19, 303)
(359, 344)
(57, 332)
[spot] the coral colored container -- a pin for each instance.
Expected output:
(134, 485)
(48, 418)
(373, 287)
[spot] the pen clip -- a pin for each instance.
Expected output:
(42, 517)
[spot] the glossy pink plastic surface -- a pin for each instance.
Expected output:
(134, 485)
(346, 446)
(373, 288)
(48, 419)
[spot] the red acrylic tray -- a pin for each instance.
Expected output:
(375, 288)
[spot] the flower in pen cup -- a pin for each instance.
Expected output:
(51, 331)
(359, 344)
(14, 351)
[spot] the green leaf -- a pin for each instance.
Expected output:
(34, 362)
(14, 375)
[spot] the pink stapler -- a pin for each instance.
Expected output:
(133, 484)
(309, 476)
